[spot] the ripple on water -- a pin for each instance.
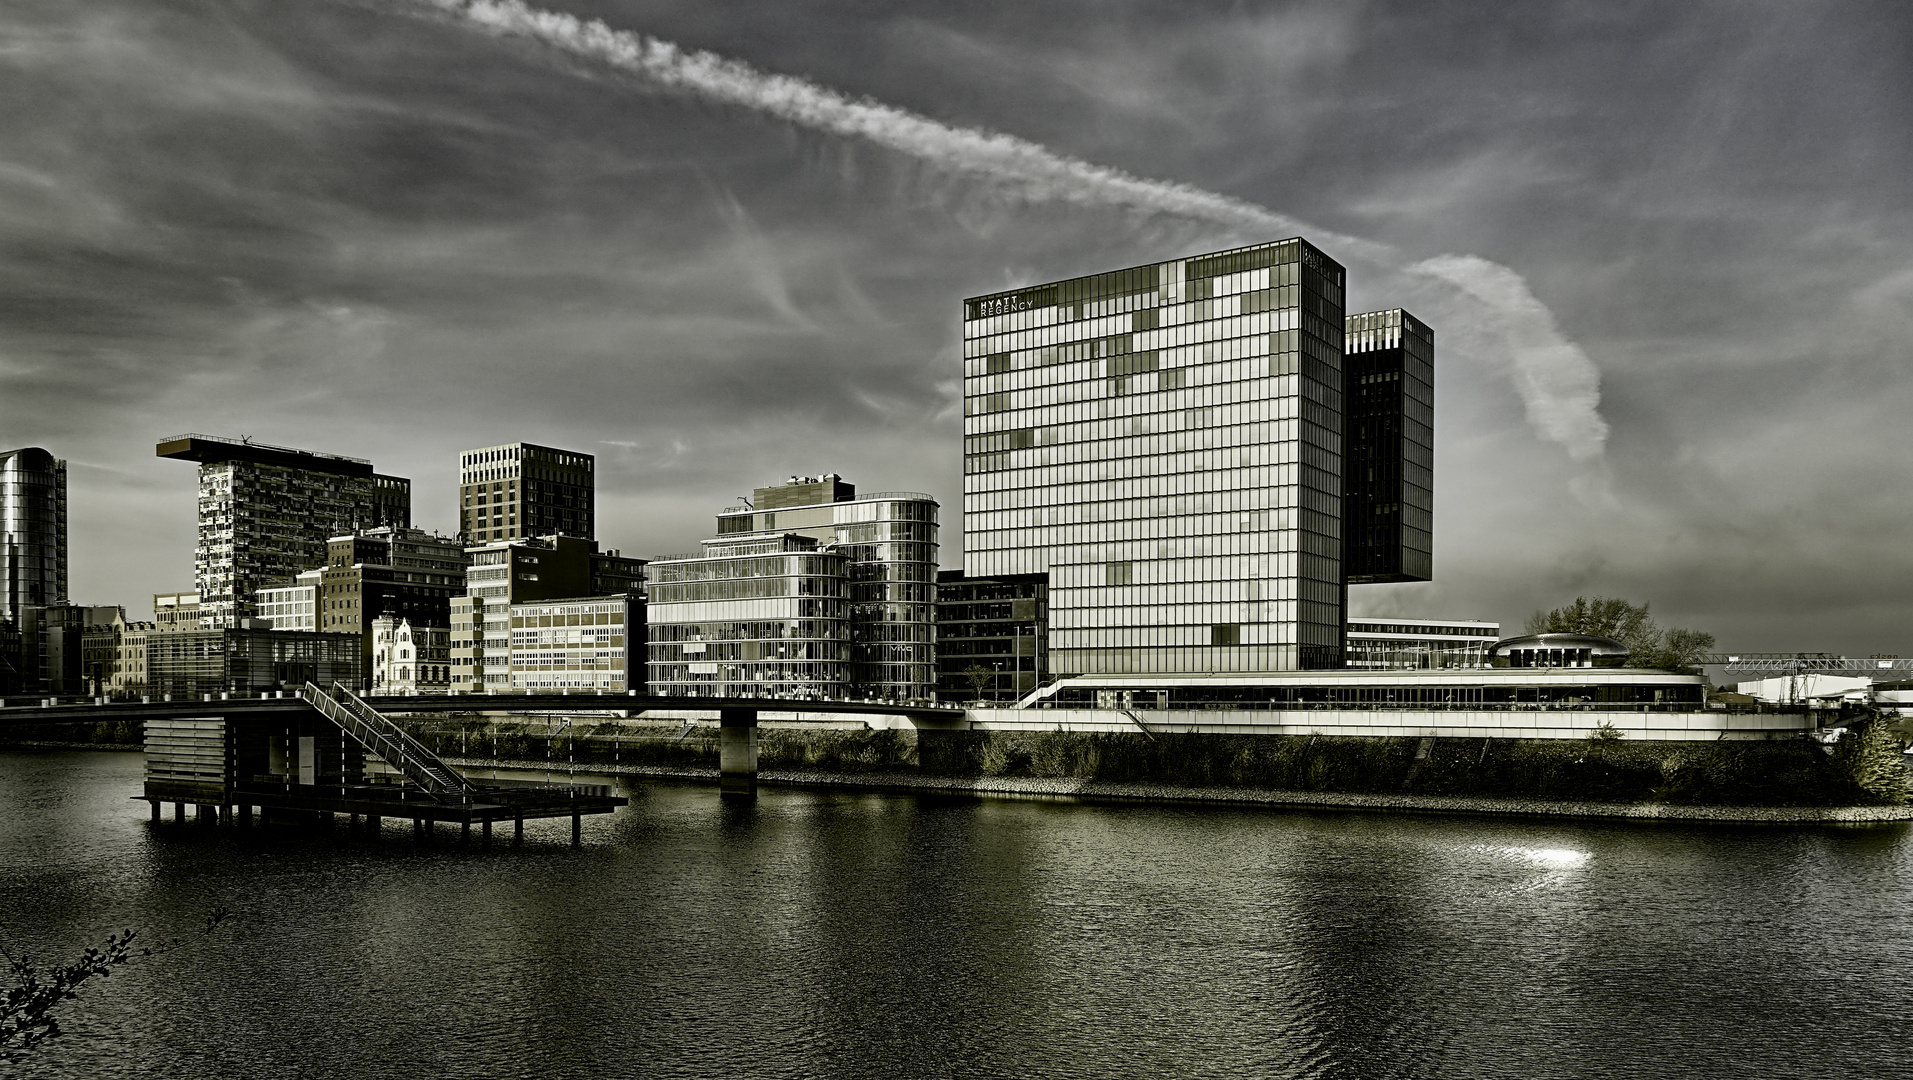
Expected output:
(864, 935)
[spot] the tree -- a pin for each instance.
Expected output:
(1630, 624)
(1869, 754)
(33, 992)
(979, 677)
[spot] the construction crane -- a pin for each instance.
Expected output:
(1792, 666)
(1773, 664)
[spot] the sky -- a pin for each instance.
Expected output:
(1666, 249)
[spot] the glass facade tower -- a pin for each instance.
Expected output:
(1166, 443)
(32, 531)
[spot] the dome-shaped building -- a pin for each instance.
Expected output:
(1557, 650)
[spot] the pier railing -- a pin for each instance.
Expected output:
(389, 741)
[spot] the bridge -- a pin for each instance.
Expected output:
(302, 753)
(1774, 664)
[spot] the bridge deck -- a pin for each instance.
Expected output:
(31, 710)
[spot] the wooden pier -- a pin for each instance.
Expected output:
(312, 764)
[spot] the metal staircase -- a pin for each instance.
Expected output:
(390, 742)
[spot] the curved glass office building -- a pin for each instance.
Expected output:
(33, 565)
(755, 616)
(890, 541)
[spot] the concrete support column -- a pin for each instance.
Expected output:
(179, 813)
(737, 753)
(465, 833)
(577, 828)
(245, 815)
(485, 833)
(156, 815)
(517, 831)
(374, 825)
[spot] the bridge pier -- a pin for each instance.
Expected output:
(485, 834)
(517, 830)
(156, 815)
(179, 813)
(737, 753)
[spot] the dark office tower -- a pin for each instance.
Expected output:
(1389, 499)
(32, 531)
(521, 489)
(266, 513)
(992, 636)
(1165, 442)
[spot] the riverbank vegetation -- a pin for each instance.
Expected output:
(1864, 768)
(1648, 645)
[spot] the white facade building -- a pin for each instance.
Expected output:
(409, 659)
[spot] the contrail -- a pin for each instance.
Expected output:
(1558, 383)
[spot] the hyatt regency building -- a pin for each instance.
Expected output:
(1170, 445)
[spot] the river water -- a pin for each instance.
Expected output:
(826, 934)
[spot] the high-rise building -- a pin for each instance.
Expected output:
(522, 489)
(1389, 499)
(266, 513)
(32, 531)
(891, 539)
(1166, 444)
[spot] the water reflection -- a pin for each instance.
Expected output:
(849, 935)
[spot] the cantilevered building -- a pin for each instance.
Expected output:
(32, 531)
(266, 513)
(1166, 443)
(1388, 519)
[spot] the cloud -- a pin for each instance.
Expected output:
(1557, 382)
(1554, 377)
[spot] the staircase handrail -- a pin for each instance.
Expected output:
(390, 742)
(433, 765)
